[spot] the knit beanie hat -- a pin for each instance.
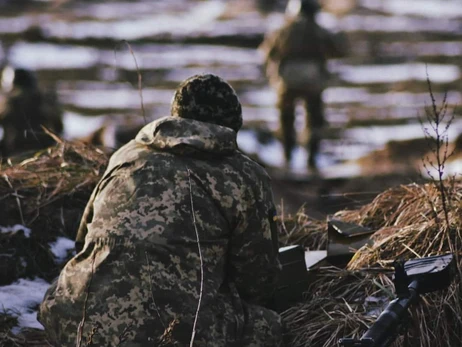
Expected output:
(208, 98)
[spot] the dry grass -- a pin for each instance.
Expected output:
(47, 194)
(333, 308)
(301, 229)
(410, 223)
(26, 338)
(49, 185)
(54, 172)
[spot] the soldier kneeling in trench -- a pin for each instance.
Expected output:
(177, 245)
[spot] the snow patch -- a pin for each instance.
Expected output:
(16, 228)
(21, 299)
(60, 248)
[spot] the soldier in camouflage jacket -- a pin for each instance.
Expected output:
(295, 62)
(24, 113)
(177, 244)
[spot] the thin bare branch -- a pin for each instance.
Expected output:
(200, 258)
(140, 78)
(151, 290)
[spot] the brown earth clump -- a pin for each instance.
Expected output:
(42, 198)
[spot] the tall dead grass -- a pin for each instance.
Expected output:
(45, 193)
(338, 304)
(46, 189)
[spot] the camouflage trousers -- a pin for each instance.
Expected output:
(263, 328)
(241, 325)
(106, 297)
(315, 122)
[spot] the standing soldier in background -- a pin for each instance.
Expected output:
(295, 62)
(266, 6)
(24, 113)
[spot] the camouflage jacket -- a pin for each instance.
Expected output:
(301, 39)
(179, 218)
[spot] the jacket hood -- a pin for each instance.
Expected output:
(184, 135)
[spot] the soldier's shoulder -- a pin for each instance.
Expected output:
(134, 155)
(257, 168)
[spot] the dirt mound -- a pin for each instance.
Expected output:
(43, 198)
(410, 221)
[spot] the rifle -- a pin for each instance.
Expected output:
(412, 279)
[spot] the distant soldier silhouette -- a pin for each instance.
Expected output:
(295, 62)
(266, 6)
(24, 112)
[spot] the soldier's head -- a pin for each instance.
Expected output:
(208, 98)
(302, 7)
(24, 79)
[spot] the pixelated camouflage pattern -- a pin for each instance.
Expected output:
(208, 98)
(137, 279)
(23, 113)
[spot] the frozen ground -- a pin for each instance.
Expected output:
(22, 298)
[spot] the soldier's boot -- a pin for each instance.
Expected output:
(315, 123)
(288, 134)
(286, 106)
(313, 148)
